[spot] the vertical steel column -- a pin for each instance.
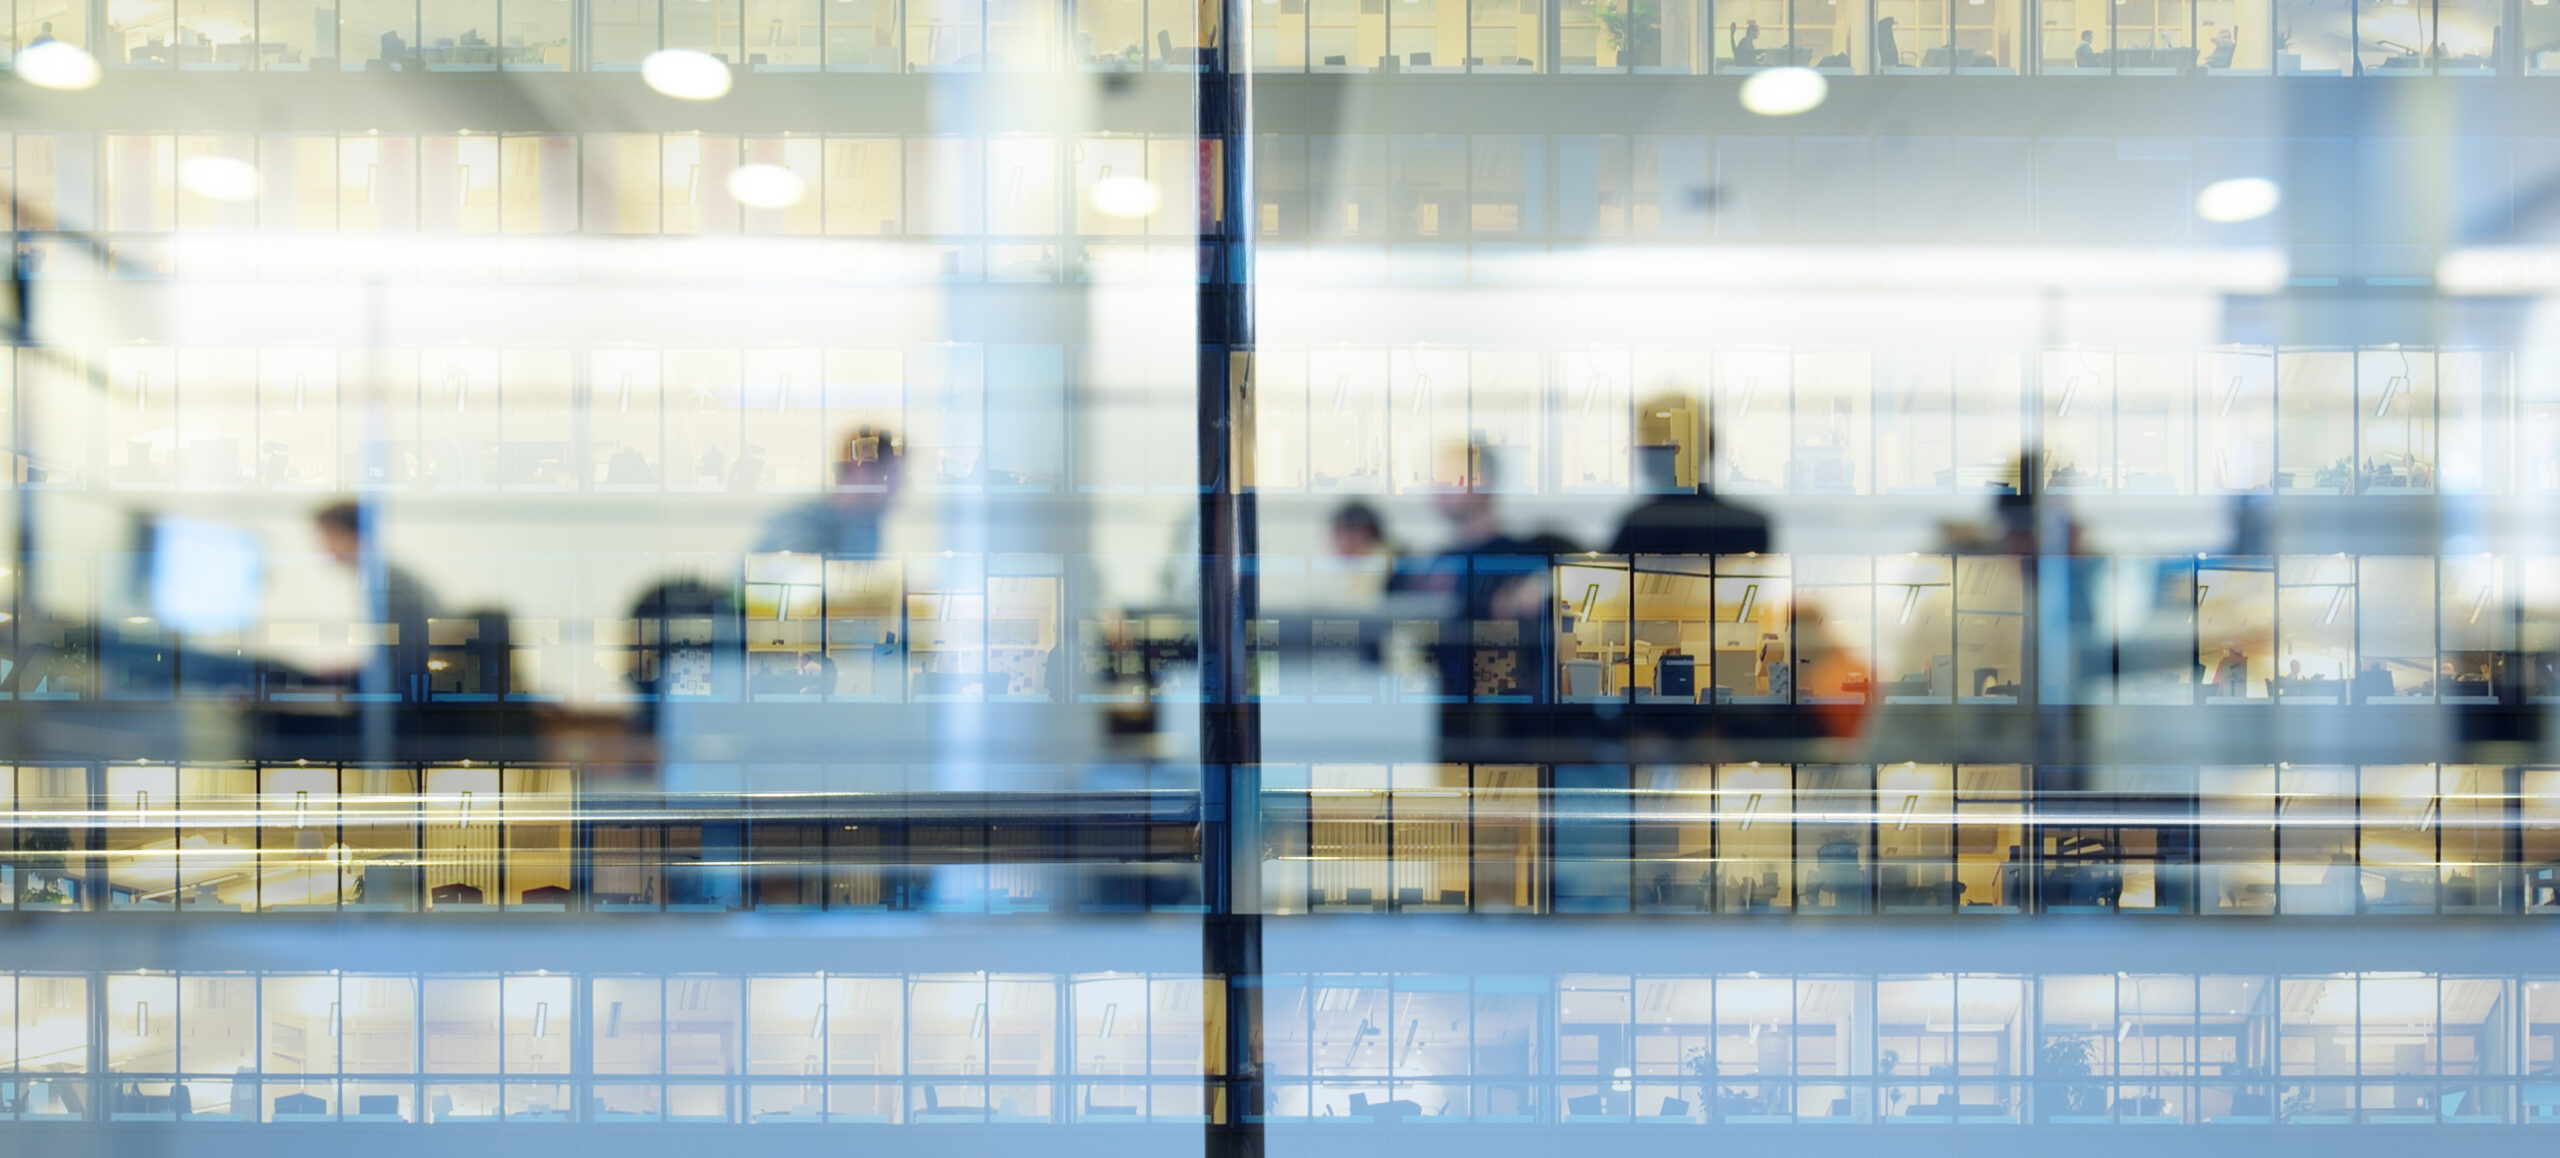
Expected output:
(1230, 729)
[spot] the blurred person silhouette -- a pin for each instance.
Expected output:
(1495, 631)
(2086, 56)
(1365, 562)
(2231, 673)
(1745, 44)
(1694, 521)
(2226, 44)
(1888, 54)
(691, 654)
(846, 520)
(394, 597)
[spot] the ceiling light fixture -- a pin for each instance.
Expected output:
(685, 74)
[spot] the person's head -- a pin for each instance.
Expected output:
(2085, 35)
(341, 526)
(1357, 531)
(809, 663)
(1753, 28)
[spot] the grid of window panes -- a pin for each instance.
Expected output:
(1417, 187)
(1665, 839)
(1690, 636)
(1972, 1048)
(2148, 38)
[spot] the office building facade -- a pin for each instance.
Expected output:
(1244, 578)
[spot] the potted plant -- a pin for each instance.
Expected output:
(2070, 1057)
(46, 863)
(1633, 29)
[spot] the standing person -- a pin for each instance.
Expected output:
(1888, 54)
(1360, 550)
(1496, 589)
(2231, 674)
(393, 595)
(846, 521)
(1690, 522)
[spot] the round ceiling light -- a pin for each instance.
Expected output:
(2238, 199)
(685, 74)
(218, 178)
(54, 64)
(1784, 92)
(766, 186)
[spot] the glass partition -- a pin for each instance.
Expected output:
(2316, 840)
(2476, 876)
(1754, 838)
(1833, 424)
(1915, 849)
(2236, 627)
(2079, 421)
(2236, 810)
(2315, 621)
(1838, 852)
(2439, 37)
(2235, 412)
(1992, 839)
(1835, 632)
(2538, 840)
(2396, 624)
(2396, 417)
(1915, 617)
(2316, 422)
(2316, 38)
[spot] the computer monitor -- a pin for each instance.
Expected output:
(204, 576)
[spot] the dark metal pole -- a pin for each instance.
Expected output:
(1230, 731)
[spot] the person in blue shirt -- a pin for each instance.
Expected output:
(846, 520)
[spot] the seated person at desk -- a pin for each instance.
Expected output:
(2225, 44)
(1746, 45)
(2086, 56)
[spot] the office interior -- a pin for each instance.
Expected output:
(2458, 1052)
(2154, 618)
(1405, 37)
(1667, 840)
